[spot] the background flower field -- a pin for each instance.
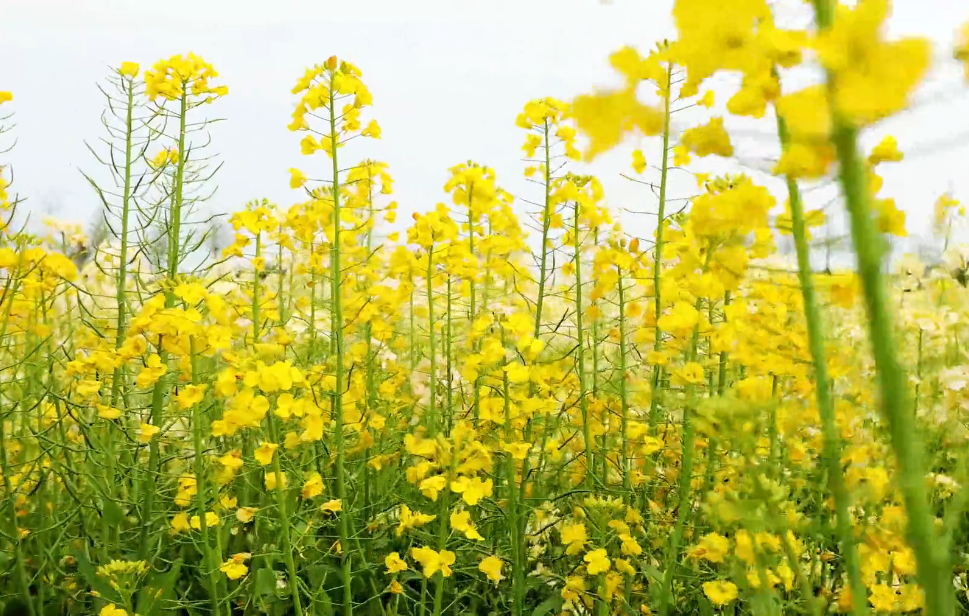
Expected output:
(516, 406)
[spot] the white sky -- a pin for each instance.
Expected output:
(448, 78)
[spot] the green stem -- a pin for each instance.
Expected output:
(822, 392)
(658, 261)
(337, 335)
(932, 558)
(580, 351)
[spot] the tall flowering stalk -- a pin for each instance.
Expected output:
(336, 88)
(179, 84)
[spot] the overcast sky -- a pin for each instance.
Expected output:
(448, 78)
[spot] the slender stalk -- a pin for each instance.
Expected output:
(337, 335)
(284, 523)
(518, 567)
(580, 351)
(431, 343)
(158, 393)
(546, 225)
(211, 560)
(658, 261)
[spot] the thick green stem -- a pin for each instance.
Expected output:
(931, 555)
(822, 392)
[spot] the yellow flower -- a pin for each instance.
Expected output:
(189, 396)
(394, 563)
(691, 373)
(606, 117)
(433, 561)
(409, 519)
(5, 97)
(681, 156)
(873, 77)
(624, 566)
(431, 486)
(720, 592)
(518, 451)
(639, 161)
(129, 69)
(745, 547)
(911, 597)
(264, 454)
(712, 546)
(107, 412)
(147, 432)
(883, 598)
(574, 536)
(211, 521)
(191, 293)
(112, 610)
(313, 486)
(960, 53)
(235, 567)
(711, 138)
(180, 523)
(332, 506)
(154, 369)
(597, 562)
(270, 481)
(296, 178)
(246, 514)
(886, 151)
(491, 567)
(461, 522)
(472, 489)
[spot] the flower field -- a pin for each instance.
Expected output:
(509, 404)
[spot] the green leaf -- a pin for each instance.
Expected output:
(112, 513)
(265, 584)
(549, 605)
(150, 602)
(706, 608)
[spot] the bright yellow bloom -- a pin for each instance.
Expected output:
(332, 506)
(394, 563)
(211, 520)
(433, 561)
(873, 77)
(129, 69)
(461, 522)
(720, 592)
(246, 514)
(639, 161)
(189, 396)
(597, 562)
(270, 481)
(472, 489)
(147, 432)
(491, 567)
(264, 454)
(235, 567)
(313, 486)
